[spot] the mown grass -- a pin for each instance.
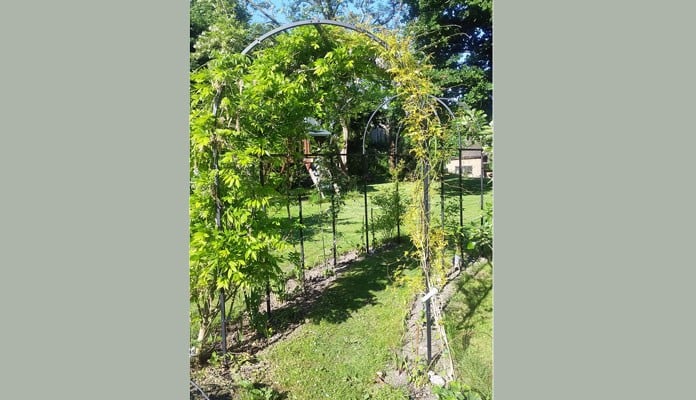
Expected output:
(468, 321)
(350, 334)
(350, 234)
(317, 231)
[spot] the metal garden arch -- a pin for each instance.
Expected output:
(318, 23)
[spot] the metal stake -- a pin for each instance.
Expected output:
(481, 174)
(460, 236)
(333, 216)
(302, 255)
(427, 330)
(268, 280)
(223, 320)
(367, 232)
(428, 322)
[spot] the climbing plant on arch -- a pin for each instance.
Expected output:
(245, 108)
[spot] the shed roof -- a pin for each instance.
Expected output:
(471, 152)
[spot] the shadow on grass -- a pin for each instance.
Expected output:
(356, 288)
(469, 185)
(335, 298)
(314, 226)
(473, 290)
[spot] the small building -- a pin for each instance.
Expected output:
(473, 160)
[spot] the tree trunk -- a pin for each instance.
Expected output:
(207, 314)
(202, 333)
(392, 145)
(344, 148)
(202, 352)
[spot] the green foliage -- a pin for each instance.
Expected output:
(479, 235)
(426, 132)
(391, 207)
(216, 26)
(332, 69)
(418, 375)
(458, 35)
(456, 391)
(234, 245)
(240, 113)
(475, 129)
(250, 391)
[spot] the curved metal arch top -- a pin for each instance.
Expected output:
(389, 100)
(291, 25)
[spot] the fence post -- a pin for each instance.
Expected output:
(302, 255)
(461, 205)
(223, 323)
(333, 213)
(426, 247)
(428, 322)
(398, 211)
(367, 229)
(268, 280)
(481, 180)
(442, 209)
(372, 221)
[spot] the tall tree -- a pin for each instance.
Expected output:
(458, 35)
(216, 26)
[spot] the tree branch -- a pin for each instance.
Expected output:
(262, 11)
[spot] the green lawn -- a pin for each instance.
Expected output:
(469, 324)
(352, 333)
(350, 234)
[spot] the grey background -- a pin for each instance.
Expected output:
(94, 209)
(593, 198)
(593, 119)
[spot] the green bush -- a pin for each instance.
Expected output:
(391, 207)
